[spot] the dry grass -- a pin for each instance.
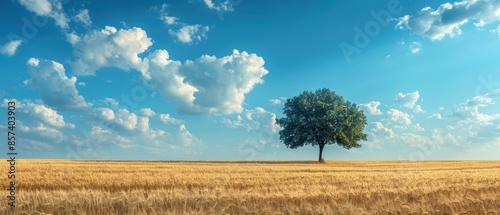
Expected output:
(337, 187)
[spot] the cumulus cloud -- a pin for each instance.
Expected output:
(190, 33)
(219, 5)
(125, 129)
(109, 47)
(448, 18)
(207, 84)
(164, 75)
(56, 89)
(42, 133)
(167, 119)
(48, 8)
(108, 136)
(378, 129)
(260, 125)
(188, 140)
(372, 108)
(408, 100)
(279, 101)
(415, 47)
(496, 30)
(83, 17)
(418, 109)
(41, 114)
(166, 18)
(147, 112)
(399, 117)
(10, 48)
(120, 121)
(436, 116)
(182, 32)
(204, 85)
(48, 116)
(468, 111)
(254, 119)
(111, 102)
(72, 38)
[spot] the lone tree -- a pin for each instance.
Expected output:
(321, 118)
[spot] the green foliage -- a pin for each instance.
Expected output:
(321, 118)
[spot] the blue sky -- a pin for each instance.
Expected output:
(205, 79)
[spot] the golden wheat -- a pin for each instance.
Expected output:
(337, 187)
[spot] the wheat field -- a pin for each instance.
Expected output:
(335, 187)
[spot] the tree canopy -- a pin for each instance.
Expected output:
(320, 118)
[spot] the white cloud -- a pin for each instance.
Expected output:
(468, 111)
(436, 116)
(41, 114)
(448, 18)
(108, 136)
(399, 117)
(275, 101)
(164, 76)
(496, 30)
(207, 84)
(83, 17)
(48, 8)
(143, 124)
(187, 139)
(42, 133)
(165, 118)
(168, 20)
(72, 38)
(408, 100)
(279, 101)
(50, 116)
(372, 108)
(147, 112)
(190, 33)
(40, 7)
(221, 5)
(10, 48)
(415, 47)
(380, 130)
(126, 130)
(378, 135)
(418, 109)
(56, 89)
(110, 47)
(111, 102)
(254, 119)
(105, 113)
(122, 119)
(418, 127)
(182, 32)
(260, 124)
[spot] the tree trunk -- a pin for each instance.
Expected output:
(321, 146)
